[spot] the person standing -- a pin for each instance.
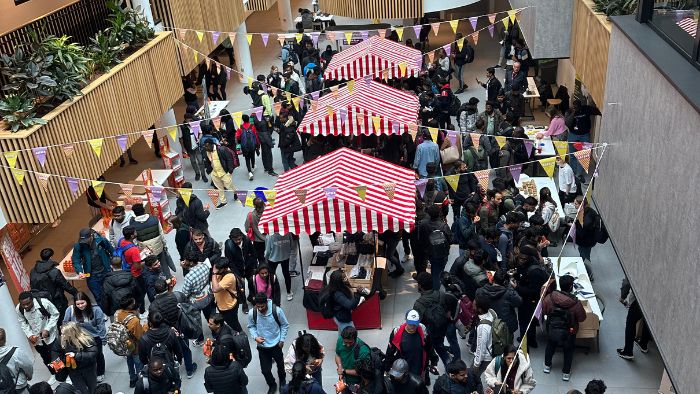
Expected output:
(580, 125)
(289, 140)
(511, 369)
(484, 348)
(247, 137)
(194, 214)
(38, 318)
(268, 325)
(404, 381)
(492, 85)
(224, 287)
(410, 342)
(567, 182)
(634, 315)
(201, 247)
(78, 351)
(564, 313)
(516, 80)
(242, 259)
(91, 260)
(349, 351)
(189, 144)
(277, 252)
(128, 315)
(132, 257)
(436, 237)
(159, 378)
(197, 289)
(149, 234)
(47, 278)
(118, 283)
(120, 219)
(165, 339)
(265, 135)
(91, 319)
(20, 364)
(253, 231)
(504, 300)
(586, 232)
(431, 307)
(224, 375)
(219, 164)
(307, 350)
(461, 57)
(343, 299)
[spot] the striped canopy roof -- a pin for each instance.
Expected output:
(345, 170)
(373, 107)
(371, 57)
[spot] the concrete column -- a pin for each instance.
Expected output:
(13, 330)
(284, 9)
(242, 51)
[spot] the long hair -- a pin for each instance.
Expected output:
(83, 315)
(336, 283)
(76, 336)
(546, 196)
(298, 376)
(311, 342)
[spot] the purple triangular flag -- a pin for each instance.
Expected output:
(394, 128)
(416, 29)
(538, 309)
(587, 145)
(330, 192)
(302, 103)
(72, 185)
(258, 111)
(419, 62)
(515, 172)
(314, 37)
(242, 195)
(448, 49)
(421, 185)
(228, 73)
(215, 37)
(121, 141)
(265, 37)
(343, 115)
(314, 95)
(491, 30)
(364, 34)
(156, 192)
(194, 128)
(368, 79)
(528, 147)
(452, 136)
(40, 154)
(473, 21)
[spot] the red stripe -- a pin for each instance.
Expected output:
(380, 223)
(275, 226)
(336, 216)
(348, 216)
(297, 228)
(369, 220)
(285, 225)
(391, 224)
(307, 224)
(326, 217)
(358, 218)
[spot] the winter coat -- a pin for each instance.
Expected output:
(133, 325)
(164, 384)
(149, 233)
(445, 385)
(241, 259)
(530, 282)
(166, 304)
(83, 254)
(477, 273)
(308, 386)
(224, 380)
(466, 185)
(394, 351)
(85, 358)
(46, 277)
(585, 235)
(211, 249)
(163, 334)
(194, 214)
(20, 364)
(564, 300)
(504, 301)
(33, 322)
(524, 378)
(115, 286)
(224, 158)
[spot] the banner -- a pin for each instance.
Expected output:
(433, 133)
(214, 196)
(389, 189)
(186, 194)
(436, 28)
(72, 185)
(156, 192)
(301, 195)
(40, 155)
(528, 147)
(96, 145)
(68, 150)
(99, 187)
(453, 25)
(562, 148)
(200, 35)
(501, 141)
(377, 123)
(515, 172)
(399, 32)
(249, 38)
(548, 165)
(241, 195)
(483, 178)
(473, 20)
(270, 196)
(172, 132)
(215, 37)
(265, 37)
(11, 158)
(351, 87)
(416, 31)
(127, 189)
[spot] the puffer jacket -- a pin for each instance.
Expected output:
(476, 272)
(168, 382)
(46, 277)
(166, 304)
(224, 380)
(163, 334)
(116, 285)
(84, 358)
(504, 301)
(149, 233)
(564, 300)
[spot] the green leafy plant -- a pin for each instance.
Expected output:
(27, 74)
(70, 65)
(18, 111)
(128, 24)
(616, 7)
(104, 51)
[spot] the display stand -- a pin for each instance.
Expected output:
(172, 161)
(161, 208)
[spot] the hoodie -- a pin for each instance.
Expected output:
(266, 326)
(483, 338)
(20, 364)
(66, 388)
(45, 276)
(116, 285)
(278, 247)
(477, 273)
(504, 302)
(163, 334)
(445, 385)
(564, 300)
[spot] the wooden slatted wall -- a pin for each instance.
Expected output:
(590, 40)
(260, 5)
(374, 9)
(128, 99)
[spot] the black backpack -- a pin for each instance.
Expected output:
(560, 321)
(189, 322)
(8, 381)
(242, 352)
(376, 357)
(325, 301)
(600, 232)
(469, 57)
(248, 141)
(438, 244)
(161, 351)
(455, 106)
(435, 319)
(275, 315)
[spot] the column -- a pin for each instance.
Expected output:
(145, 8)
(242, 51)
(284, 8)
(13, 330)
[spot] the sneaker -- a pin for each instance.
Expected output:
(644, 349)
(100, 378)
(272, 173)
(250, 176)
(132, 383)
(197, 177)
(294, 274)
(133, 161)
(408, 257)
(620, 352)
(52, 380)
(190, 374)
(223, 204)
(290, 296)
(546, 369)
(245, 308)
(204, 178)
(565, 377)
(197, 343)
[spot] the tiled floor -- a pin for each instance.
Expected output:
(640, 376)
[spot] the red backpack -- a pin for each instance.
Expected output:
(465, 313)
(250, 233)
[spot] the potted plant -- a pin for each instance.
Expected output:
(18, 112)
(105, 50)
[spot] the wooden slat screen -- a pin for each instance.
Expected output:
(590, 40)
(374, 9)
(260, 5)
(130, 98)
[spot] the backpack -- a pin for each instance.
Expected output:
(42, 308)
(376, 357)
(161, 351)
(435, 319)
(500, 335)
(119, 252)
(275, 315)
(8, 381)
(465, 312)
(248, 142)
(119, 339)
(455, 105)
(439, 247)
(560, 320)
(469, 56)
(242, 352)
(232, 156)
(325, 301)
(600, 233)
(479, 158)
(189, 322)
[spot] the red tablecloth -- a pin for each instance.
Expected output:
(366, 316)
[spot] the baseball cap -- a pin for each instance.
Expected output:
(84, 235)
(412, 317)
(399, 368)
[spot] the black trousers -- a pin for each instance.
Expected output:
(84, 379)
(267, 356)
(266, 153)
(567, 342)
(634, 315)
(285, 272)
(140, 298)
(100, 356)
(45, 353)
(249, 160)
(259, 251)
(525, 312)
(231, 317)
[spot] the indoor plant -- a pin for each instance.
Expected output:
(18, 112)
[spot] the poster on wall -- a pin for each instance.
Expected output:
(13, 262)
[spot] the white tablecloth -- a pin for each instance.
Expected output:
(540, 182)
(574, 267)
(546, 143)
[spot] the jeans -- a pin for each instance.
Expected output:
(133, 364)
(341, 325)
(585, 252)
(94, 283)
(460, 79)
(196, 162)
(437, 266)
(84, 379)
(452, 340)
(285, 272)
(100, 356)
(186, 354)
(578, 170)
(249, 160)
(567, 341)
(288, 161)
(231, 318)
(266, 356)
(634, 314)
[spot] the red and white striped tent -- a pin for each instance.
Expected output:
(344, 171)
(372, 108)
(371, 57)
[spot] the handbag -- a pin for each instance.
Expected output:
(450, 155)
(554, 222)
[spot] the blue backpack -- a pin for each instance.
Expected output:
(119, 252)
(248, 142)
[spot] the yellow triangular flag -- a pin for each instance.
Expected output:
(11, 158)
(250, 82)
(351, 86)
(172, 132)
(362, 192)
(238, 118)
(19, 175)
(200, 35)
(399, 32)
(505, 22)
(348, 37)
(249, 199)
(454, 25)
(453, 181)
(562, 148)
(185, 194)
(196, 57)
(298, 37)
(99, 187)
(270, 195)
(330, 110)
(511, 15)
(523, 345)
(433, 133)
(288, 95)
(377, 122)
(548, 165)
(460, 44)
(96, 145)
(402, 67)
(249, 37)
(501, 141)
(295, 101)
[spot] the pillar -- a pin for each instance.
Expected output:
(13, 330)
(242, 51)
(145, 7)
(284, 8)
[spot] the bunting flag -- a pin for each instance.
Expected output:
(416, 30)
(19, 175)
(492, 18)
(454, 25)
(491, 30)
(314, 106)
(68, 150)
(436, 28)
(419, 61)
(505, 22)
(399, 32)
(288, 96)
(295, 101)
(421, 185)
(217, 122)
(452, 136)
(301, 195)
(476, 139)
(343, 115)
(448, 49)
(314, 37)
(523, 346)
(351, 87)
(364, 34)
(249, 198)
(11, 158)
(96, 145)
(186, 194)
(511, 15)
(330, 35)
(315, 95)
(367, 79)
(584, 158)
(195, 128)
(483, 178)
(402, 68)
(232, 37)
(238, 118)
(538, 310)
(528, 147)
(453, 181)
(228, 73)
(330, 192)
(270, 196)
(121, 141)
(258, 111)
(377, 123)
(40, 155)
(214, 196)
(334, 90)
(572, 233)
(330, 110)
(515, 172)
(389, 189)
(241, 196)
(431, 56)
(473, 21)
(215, 37)
(413, 130)
(361, 192)
(43, 180)
(72, 185)
(182, 33)
(460, 44)
(382, 33)
(148, 136)
(360, 119)
(127, 189)
(249, 38)
(433, 133)
(562, 148)
(475, 37)
(277, 107)
(501, 141)
(548, 165)
(99, 187)
(280, 39)
(196, 56)
(200, 35)
(265, 37)
(348, 37)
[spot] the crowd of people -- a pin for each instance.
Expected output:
(487, 295)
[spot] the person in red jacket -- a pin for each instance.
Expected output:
(247, 137)
(132, 258)
(410, 342)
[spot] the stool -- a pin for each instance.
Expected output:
(553, 101)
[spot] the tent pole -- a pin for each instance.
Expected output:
(301, 264)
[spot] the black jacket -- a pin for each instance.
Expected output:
(241, 260)
(84, 359)
(445, 385)
(504, 302)
(530, 281)
(492, 87)
(289, 139)
(164, 384)
(211, 249)
(163, 334)
(412, 385)
(193, 214)
(224, 157)
(428, 227)
(343, 306)
(224, 337)
(518, 83)
(186, 139)
(46, 277)
(585, 235)
(264, 133)
(466, 185)
(166, 304)
(116, 285)
(225, 380)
